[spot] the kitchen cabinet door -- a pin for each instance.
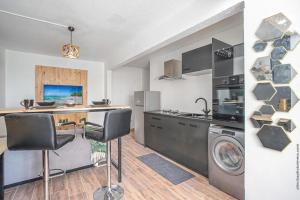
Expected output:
(196, 146)
(153, 131)
(197, 60)
(222, 63)
(178, 138)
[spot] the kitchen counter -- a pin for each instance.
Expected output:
(180, 138)
(180, 115)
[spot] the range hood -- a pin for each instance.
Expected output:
(172, 70)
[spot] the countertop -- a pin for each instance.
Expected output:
(4, 111)
(202, 118)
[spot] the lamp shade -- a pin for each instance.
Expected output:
(70, 51)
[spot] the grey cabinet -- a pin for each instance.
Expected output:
(222, 62)
(182, 140)
(197, 60)
(153, 132)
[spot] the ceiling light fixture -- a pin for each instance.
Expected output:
(70, 50)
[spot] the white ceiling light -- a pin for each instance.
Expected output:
(70, 50)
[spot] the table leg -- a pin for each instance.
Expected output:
(2, 176)
(119, 160)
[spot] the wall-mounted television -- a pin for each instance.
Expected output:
(62, 94)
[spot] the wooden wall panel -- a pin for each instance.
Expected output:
(61, 76)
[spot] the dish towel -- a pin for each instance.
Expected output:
(98, 155)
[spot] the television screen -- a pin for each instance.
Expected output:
(62, 94)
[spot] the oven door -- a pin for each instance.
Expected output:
(228, 103)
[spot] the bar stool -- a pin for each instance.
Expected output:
(116, 125)
(53, 173)
(35, 131)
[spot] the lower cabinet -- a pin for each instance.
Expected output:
(182, 140)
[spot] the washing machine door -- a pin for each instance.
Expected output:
(228, 154)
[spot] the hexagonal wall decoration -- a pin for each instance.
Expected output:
(267, 110)
(262, 69)
(284, 99)
(287, 124)
(273, 137)
(273, 27)
(283, 74)
(289, 41)
(270, 68)
(264, 91)
(258, 119)
(278, 53)
(260, 46)
(274, 63)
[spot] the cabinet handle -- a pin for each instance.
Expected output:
(159, 127)
(155, 118)
(181, 123)
(186, 69)
(193, 125)
(152, 125)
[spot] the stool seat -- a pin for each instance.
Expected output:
(62, 139)
(95, 133)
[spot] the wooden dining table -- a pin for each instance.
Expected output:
(58, 110)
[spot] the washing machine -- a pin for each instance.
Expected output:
(226, 160)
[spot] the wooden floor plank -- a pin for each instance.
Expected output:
(9, 195)
(60, 195)
(24, 192)
(139, 182)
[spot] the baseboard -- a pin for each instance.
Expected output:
(39, 178)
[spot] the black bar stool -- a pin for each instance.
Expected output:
(116, 125)
(35, 131)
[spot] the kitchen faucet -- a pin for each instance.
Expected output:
(206, 110)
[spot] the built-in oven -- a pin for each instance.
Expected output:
(229, 101)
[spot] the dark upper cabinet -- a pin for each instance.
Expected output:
(228, 60)
(197, 60)
(222, 58)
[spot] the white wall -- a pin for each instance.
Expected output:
(2, 77)
(181, 94)
(270, 175)
(124, 81)
(20, 76)
(146, 78)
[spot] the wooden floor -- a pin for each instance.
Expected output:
(139, 182)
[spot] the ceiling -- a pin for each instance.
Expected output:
(102, 26)
(234, 23)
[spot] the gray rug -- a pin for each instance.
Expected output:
(165, 168)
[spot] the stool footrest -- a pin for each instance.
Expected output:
(56, 173)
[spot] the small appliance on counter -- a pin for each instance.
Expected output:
(144, 101)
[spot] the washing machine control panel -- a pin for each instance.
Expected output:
(226, 132)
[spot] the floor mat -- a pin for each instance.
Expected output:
(165, 168)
